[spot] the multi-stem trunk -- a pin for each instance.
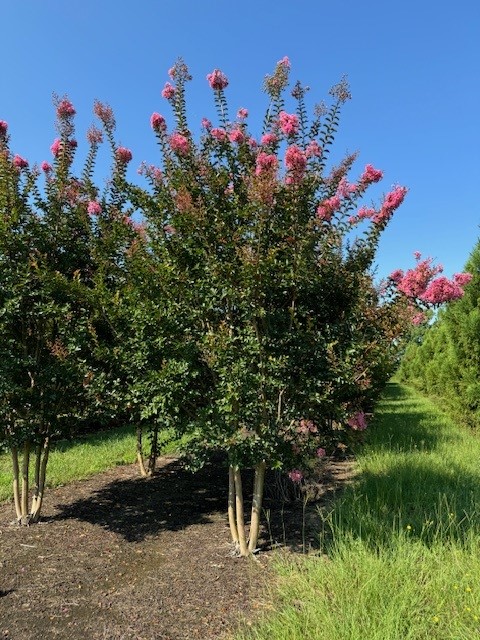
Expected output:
(41, 462)
(25, 486)
(152, 461)
(258, 487)
(240, 517)
(140, 458)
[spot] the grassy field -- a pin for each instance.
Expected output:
(401, 549)
(82, 457)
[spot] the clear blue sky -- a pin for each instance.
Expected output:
(413, 67)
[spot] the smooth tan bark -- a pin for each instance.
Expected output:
(16, 483)
(25, 487)
(231, 505)
(140, 459)
(258, 487)
(41, 463)
(242, 542)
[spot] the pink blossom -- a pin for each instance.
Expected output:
(285, 62)
(462, 279)
(266, 163)
(172, 72)
(295, 162)
(253, 143)
(296, 476)
(19, 162)
(3, 127)
(419, 318)
(321, 453)
(219, 134)
(123, 155)
(179, 143)
(206, 124)
(365, 212)
(55, 148)
(105, 113)
(217, 80)
(327, 208)
(94, 135)
(242, 114)
(46, 167)
(313, 150)
(158, 122)
(417, 255)
(65, 109)
(169, 229)
(344, 188)
(390, 203)
(358, 421)
(396, 276)
(415, 281)
(268, 138)
(236, 135)
(441, 290)
(94, 208)
(168, 91)
(370, 174)
(288, 123)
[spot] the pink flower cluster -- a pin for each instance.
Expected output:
(305, 427)
(370, 175)
(65, 109)
(313, 150)
(3, 128)
(168, 91)
(266, 163)
(444, 290)
(19, 162)
(219, 134)
(390, 203)
(268, 139)
(217, 80)
(288, 123)
(236, 135)
(345, 188)
(94, 208)
(105, 113)
(328, 207)
(242, 113)
(179, 143)
(123, 155)
(296, 476)
(358, 421)
(296, 163)
(46, 167)
(57, 146)
(94, 135)
(158, 122)
(415, 281)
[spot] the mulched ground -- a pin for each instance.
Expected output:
(119, 557)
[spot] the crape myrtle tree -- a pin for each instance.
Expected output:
(151, 372)
(61, 250)
(271, 255)
(444, 360)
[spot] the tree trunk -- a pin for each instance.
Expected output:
(40, 476)
(25, 467)
(152, 461)
(231, 505)
(140, 459)
(240, 514)
(16, 483)
(256, 505)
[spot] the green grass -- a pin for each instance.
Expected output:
(83, 457)
(401, 548)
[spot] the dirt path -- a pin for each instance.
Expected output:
(118, 557)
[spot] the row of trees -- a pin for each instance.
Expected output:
(444, 360)
(240, 310)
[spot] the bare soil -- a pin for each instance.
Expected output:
(119, 557)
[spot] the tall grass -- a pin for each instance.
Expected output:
(401, 547)
(83, 457)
